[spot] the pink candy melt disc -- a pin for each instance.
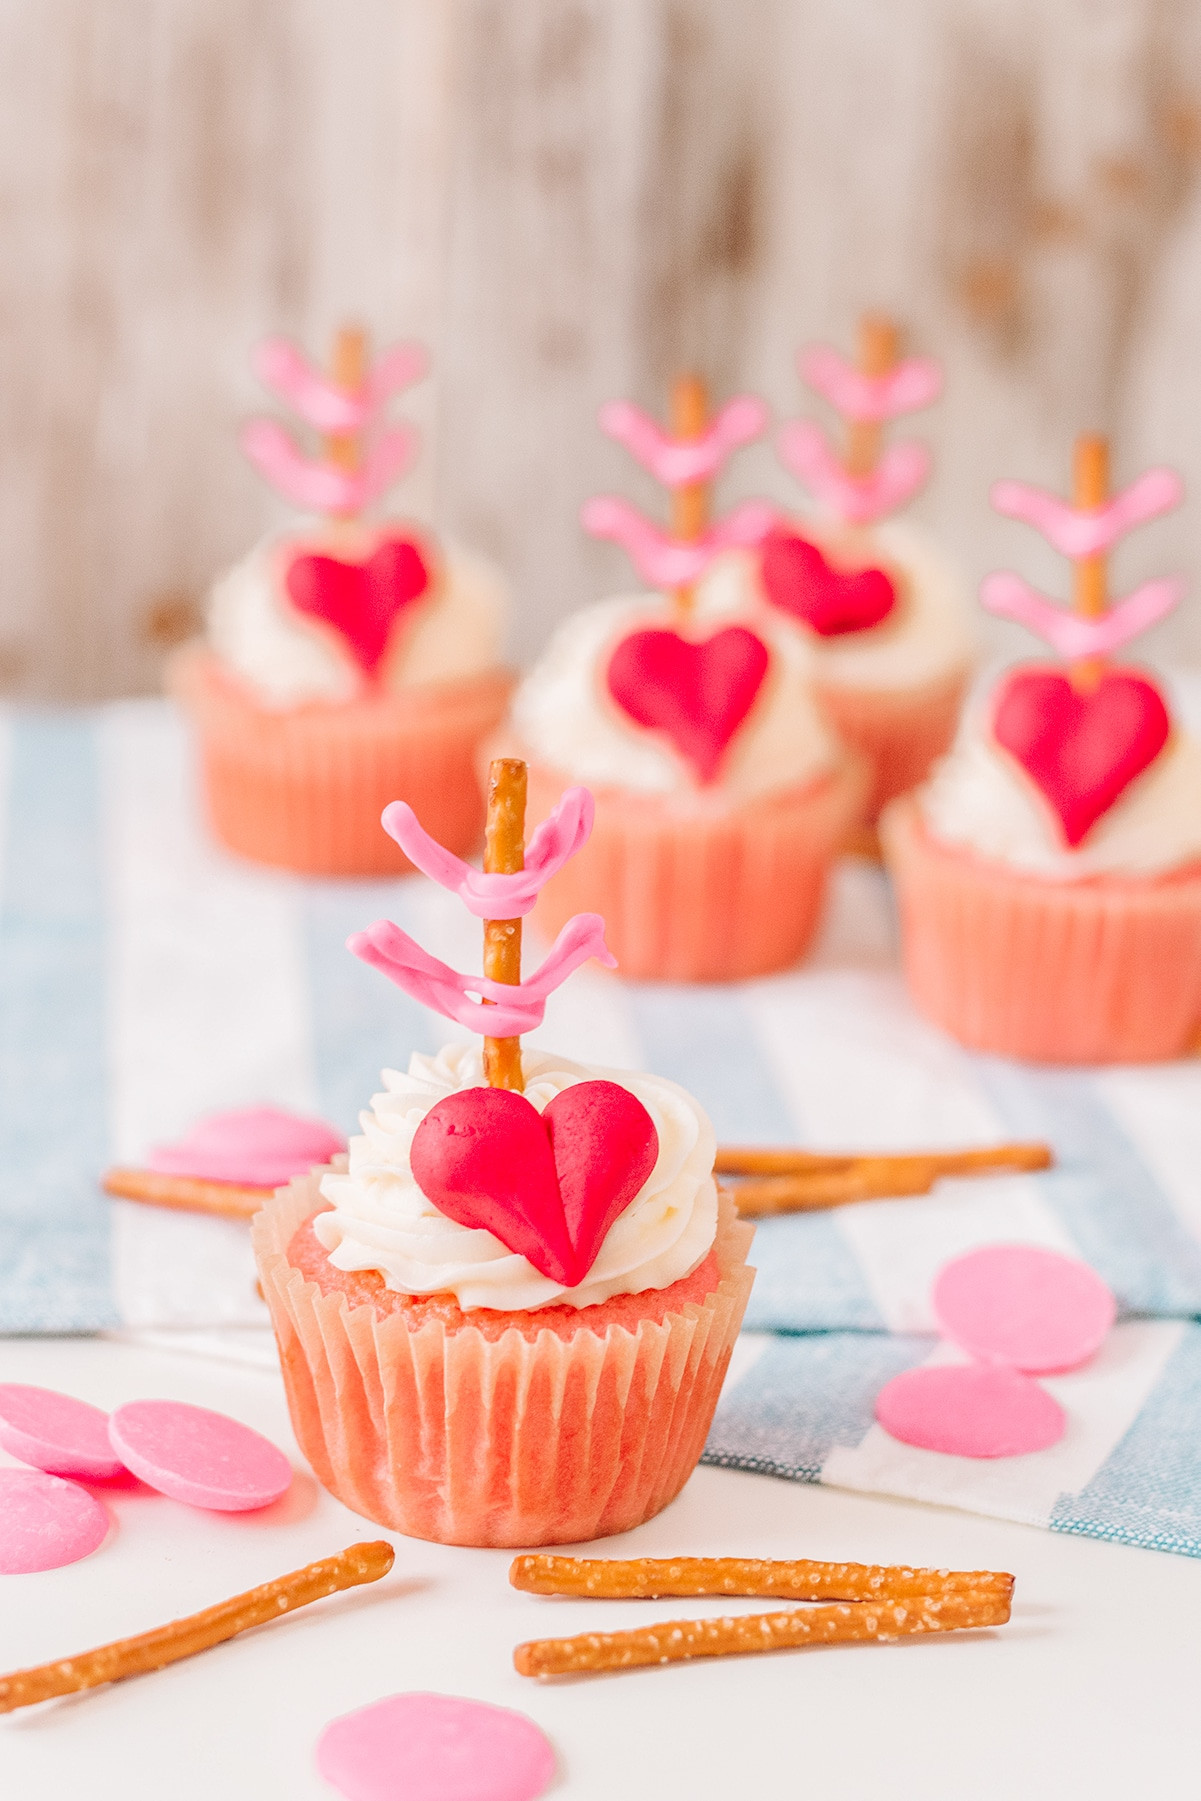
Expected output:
(56, 1433)
(197, 1456)
(1018, 1304)
(970, 1410)
(258, 1146)
(435, 1748)
(45, 1522)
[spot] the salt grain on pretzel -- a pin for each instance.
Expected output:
(804, 1580)
(198, 1631)
(678, 1640)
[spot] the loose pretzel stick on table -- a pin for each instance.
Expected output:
(539, 1573)
(796, 1181)
(198, 1631)
(190, 1193)
(677, 1640)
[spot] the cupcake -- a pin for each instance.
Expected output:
(348, 661)
(1048, 874)
(722, 795)
(505, 1317)
(878, 602)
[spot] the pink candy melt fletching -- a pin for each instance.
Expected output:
(261, 1147)
(56, 1433)
(435, 1748)
(198, 1456)
(45, 1522)
(970, 1410)
(1018, 1304)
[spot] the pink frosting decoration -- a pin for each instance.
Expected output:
(198, 1456)
(906, 388)
(1021, 1305)
(320, 402)
(858, 499)
(517, 1007)
(435, 1748)
(1086, 532)
(56, 1433)
(970, 1410)
(559, 837)
(1071, 634)
(318, 486)
(677, 461)
(668, 562)
(258, 1147)
(46, 1522)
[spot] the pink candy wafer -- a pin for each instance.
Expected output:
(197, 1456)
(46, 1522)
(435, 1748)
(56, 1433)
(1018, 1304)
(970, 1410)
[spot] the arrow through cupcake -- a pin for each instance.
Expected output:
(351, 660)
(721, 796)
(1049, 874)
(883, 610)
(505, 1318)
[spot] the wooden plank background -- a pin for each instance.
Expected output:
(568, 199)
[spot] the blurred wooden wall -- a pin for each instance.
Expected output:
(567, 199)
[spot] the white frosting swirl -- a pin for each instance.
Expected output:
(382, 1221)
(980, 797)
(927, 635)
(253, 628)
(565, 716)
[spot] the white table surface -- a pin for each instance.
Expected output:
(1092, 1690)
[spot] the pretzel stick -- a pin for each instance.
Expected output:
(348, 369)
(690, 503)
(1090, 580)
(198, 1631)
(644, 1578)
(191, 1193)
(879, 348)
(839, 1624)
(866, 1178)
(755, 1160)
(504, 854)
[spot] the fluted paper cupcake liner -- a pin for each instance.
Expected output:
(450, 1435)
(304, 788)
(702, 890)
(1101, 971)
(900, 732)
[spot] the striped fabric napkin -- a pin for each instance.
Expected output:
(146, 979)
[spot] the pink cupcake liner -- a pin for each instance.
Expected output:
(450, 1435)
(901, 733)
(304, 788)
(1103, 971)
(701, 888)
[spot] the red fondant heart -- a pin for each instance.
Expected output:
(698, 693)
(361, 600)
(797, 578)
(548, 1185)
(1082, 749)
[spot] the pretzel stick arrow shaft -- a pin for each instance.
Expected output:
(644, 1578)
(190, 1193)
(841, 1623)
(879, 350)
(690, 503)
(504, 854)
(198, 1631)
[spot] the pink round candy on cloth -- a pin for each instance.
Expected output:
(197, 1456)
(435, 1748)
(46, 1522)
(970, 1410)
(56, 1433)
(257, 1147)
(1018, 1304)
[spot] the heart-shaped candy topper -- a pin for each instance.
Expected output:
(798, 579)
(1082, 749)
(362, 601)
(698, 692)
(549, 1185)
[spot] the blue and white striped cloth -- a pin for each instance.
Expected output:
(146, 979)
